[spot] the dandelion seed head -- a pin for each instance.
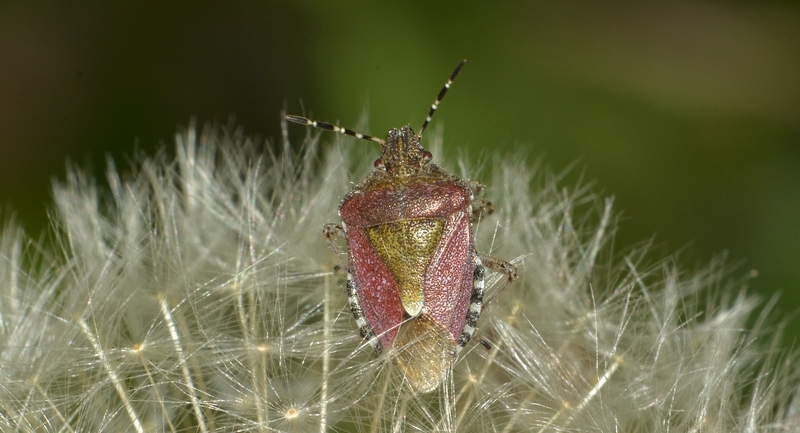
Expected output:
(211, 269)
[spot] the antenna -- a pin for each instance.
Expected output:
(329, 127)
(440, 97)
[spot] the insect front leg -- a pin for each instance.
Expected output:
(480, 207)
(503, 267)
(329, 230)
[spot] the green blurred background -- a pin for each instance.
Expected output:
(687, 112)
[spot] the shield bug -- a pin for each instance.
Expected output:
(414, 280)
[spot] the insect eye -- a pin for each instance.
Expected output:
(426, 156)
(378, 164)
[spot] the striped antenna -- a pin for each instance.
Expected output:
(329, 127)
(440, 97)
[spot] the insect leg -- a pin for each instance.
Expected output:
(329, 230)
(503, 267)
(480, 207)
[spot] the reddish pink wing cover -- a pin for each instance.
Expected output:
(448, 280)
(376, 288)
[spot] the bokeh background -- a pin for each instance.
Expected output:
(687, 112)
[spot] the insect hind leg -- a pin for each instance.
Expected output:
(502, 267)
(331, 230)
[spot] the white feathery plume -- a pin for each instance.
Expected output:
(197, 294)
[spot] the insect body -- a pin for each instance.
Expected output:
(415, 282)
